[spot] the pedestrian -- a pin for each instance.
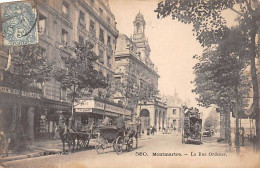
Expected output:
(148, 131)
(243, 136)
(57, 132)
(152, 130)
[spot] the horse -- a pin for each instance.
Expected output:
(66, 136)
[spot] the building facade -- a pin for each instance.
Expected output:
(60, 23)
(175, 112)
(133, 58)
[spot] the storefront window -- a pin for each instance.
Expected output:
(43, 124)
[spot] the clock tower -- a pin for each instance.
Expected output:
(143, 48)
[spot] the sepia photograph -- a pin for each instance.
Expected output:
(129, 83)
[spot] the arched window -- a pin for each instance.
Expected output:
(138, 27)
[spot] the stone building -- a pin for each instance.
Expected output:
(63, 22)
(175, 111)
(133, 57)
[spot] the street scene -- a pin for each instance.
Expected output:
(118, 83)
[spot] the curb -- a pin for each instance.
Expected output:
(41, 153)
(31, 155)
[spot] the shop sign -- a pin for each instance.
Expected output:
(100, 105)
(83, 110)
(16, 92)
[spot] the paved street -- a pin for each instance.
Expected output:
(170, 152)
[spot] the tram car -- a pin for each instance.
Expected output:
(191, 133)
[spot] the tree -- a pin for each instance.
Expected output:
(78, 76)
(107, 92)
(220, 75)
(210, 27)
(28, 71)
(127, 88)
(212, 120)
(146, 92)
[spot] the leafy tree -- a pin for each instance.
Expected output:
(27, 72)
(210, 27)
(147, 92)
(108, 92)
(78, 76)
(127, 88)
(212, 120)
(220, 74)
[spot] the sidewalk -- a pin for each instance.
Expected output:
(49, 147)
(39, 148)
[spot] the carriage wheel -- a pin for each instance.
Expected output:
(99, 145)
(114, 145)
(130, 144)
(119, 145)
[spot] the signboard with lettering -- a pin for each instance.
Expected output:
(83, 110)
(89, 104)
(16, 92)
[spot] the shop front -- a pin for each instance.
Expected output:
(94, 110)
(17, 115)
(53, 113)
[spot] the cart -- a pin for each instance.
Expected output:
(119, 139)
(191, 133)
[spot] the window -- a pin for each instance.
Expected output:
(64, 37)
(108, 61)
(101, 35)
(65, 9)
(108, 20)
(173, 111)
(81, 40)
(109, 42)
(81, 15)
(82, 19)
(63, 95)
(101, 11)
(101, 56)
(42, 23)
(138, 26)
(92, 27)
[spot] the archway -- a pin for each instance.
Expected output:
(145, 119)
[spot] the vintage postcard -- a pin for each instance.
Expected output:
(129, 84)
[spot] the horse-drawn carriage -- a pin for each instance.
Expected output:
(192, 123)
(122, 136)
(118, 138)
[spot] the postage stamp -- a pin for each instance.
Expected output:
(19, 24)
